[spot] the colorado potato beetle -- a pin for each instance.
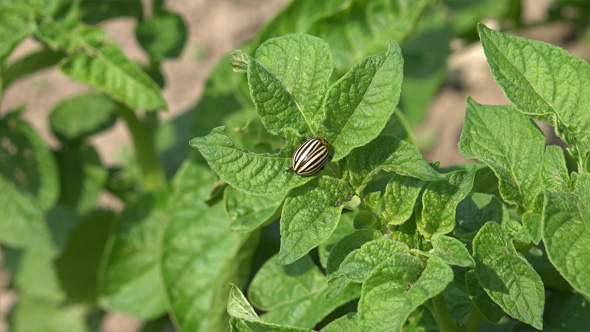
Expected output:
(310, 157)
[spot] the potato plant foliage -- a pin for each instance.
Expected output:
(219, 237)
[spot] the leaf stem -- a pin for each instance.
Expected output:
(442, 315)
(473, 320)
(145, 147)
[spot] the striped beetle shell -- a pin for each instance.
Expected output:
(310, 157)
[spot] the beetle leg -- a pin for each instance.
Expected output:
(288, 170)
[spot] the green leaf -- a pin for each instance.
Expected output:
(507, 277)
(35, 314)
(79, 263)
(93, 11)
(566, 232)
(288, 80)
(259, 174)
(163, 35)
(554, 172)
(346, 245)
(94, 59)
(249, 212)
(475, 210)
(567, 312)
(245, 319)
(129, 279)
(359, 263)
(450, 251)
(199, 255)
(17, 22)
(82, 177)
(294, 294)
(396, 288)
(440, 200)
(29, 64)
(544, 81)
(357, 29)
(344, 323)
(358, 106)
(511, 144)
(389, 154)
(399, 199)
(532, 225)
(26, 162)
(488, 308)
(84, 115)
(310, 215)
(345, 227)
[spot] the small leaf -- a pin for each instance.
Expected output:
(511, 144)
(507, 277)
(396, 288)
(249, 212)
(346, 245)
(94, 59)
(359, 263)
(488, 308)
(163, 35)
(475, 210)
(566, 232)
(389, 154)
(310, 215)
(129, 279)
(440, 200)
(244, 318)
(17, 22)
(76, 118)
(544, 81)
(259, 174)
(399, 198)
(344, 323)
(450, 251)
(532, 225)
(288, 80)
(358, 105)
(294, 294)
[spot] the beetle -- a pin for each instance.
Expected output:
(310, 157)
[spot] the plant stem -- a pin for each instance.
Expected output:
(474, 319)
(145, 147)
(442, 315)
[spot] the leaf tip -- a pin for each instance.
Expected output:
(239, 61)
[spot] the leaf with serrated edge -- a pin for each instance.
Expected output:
(566, 232)
(358, 106)
(510, 143)
(260, 174)
(249, 212)
(544, 81)
(245, 318)
(507, 277)
(310, 215)
(440, 200)
(294, 294)
(396, 288)
(387, 153)
(399, 198)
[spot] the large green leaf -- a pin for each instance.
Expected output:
(358, 106)
(94, 59)
(544, 81)
(389, 154)
(294, 294)
(75, 119)
(288, 80)
(199, 255)
(17, 22)
(507, 277)
(260, 174)
(396, 288)
(245, 319)
(511, 144)
(129, 279)
(310, 215)
(566, 232)
(440, 201)
(163, 35)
